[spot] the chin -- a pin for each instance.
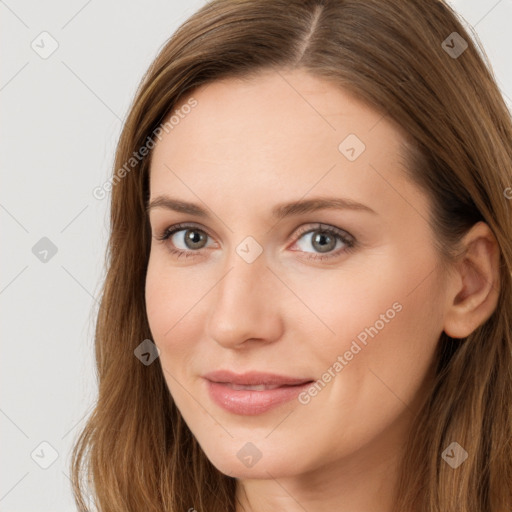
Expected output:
(242, 460)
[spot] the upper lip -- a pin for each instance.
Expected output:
(254, 378)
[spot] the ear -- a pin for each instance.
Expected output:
(474, 294)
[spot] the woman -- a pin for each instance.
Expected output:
(308, 296)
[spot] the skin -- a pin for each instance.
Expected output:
(245, 147)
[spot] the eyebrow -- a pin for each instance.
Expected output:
(279, 211)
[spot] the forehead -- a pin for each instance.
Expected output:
(279, 109)
(281, 135)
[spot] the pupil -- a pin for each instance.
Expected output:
(324, 247)
(194, 237)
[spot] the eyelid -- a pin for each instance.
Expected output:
(322, 226)
(299, 231)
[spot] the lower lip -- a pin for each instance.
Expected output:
(249, 402)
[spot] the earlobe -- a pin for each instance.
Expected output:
(476, 292)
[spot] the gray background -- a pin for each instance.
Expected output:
(61, 117)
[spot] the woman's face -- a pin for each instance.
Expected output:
(249, 291)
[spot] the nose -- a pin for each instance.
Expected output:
(246, 304)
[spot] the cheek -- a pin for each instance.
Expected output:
(167, 295)
(387, 328)
(176, 316)
(342, 306)
(175, 305)
(399, 345)
(157, 295)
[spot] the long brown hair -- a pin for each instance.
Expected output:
(136, 452)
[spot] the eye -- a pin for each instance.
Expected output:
(193, 239)
(325, 239)
(321, 237)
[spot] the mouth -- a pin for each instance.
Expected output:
(258, 387)
(255, 379)
(253, 398)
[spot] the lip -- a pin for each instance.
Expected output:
(254, 378)
(250, 402)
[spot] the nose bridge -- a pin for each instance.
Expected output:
(244, 282)
(243, 307)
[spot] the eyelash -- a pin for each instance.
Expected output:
(349, 242)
